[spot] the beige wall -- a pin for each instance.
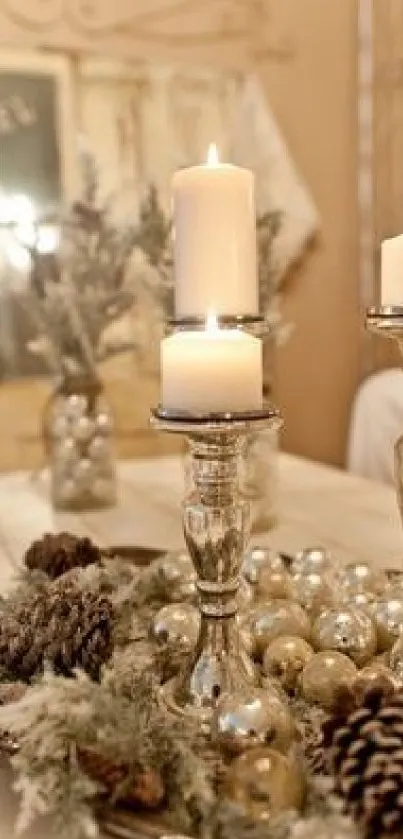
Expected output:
(314, 98)
(307, 60)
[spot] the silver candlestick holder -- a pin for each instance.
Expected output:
(216, 524)
(253, 324)
(388, 321)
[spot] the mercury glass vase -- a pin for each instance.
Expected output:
(78, 434)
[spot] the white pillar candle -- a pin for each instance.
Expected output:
(215, 240)
(392, 272)
(216, 370)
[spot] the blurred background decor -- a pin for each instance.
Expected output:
(136, 122)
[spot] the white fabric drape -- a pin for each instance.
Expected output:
(376, 425)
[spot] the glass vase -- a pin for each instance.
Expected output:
(261, 478)
(78, 434)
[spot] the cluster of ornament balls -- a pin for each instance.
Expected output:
(330, 636)
(345, 654)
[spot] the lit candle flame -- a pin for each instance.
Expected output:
(212, 322)
(212, 155)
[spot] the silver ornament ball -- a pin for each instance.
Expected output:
(60, 427)
(177, 625)
(274, 618)
(313, 590)
(274, 583)
(65, 451)
(75, 406)
(258, 559)
(104, 424)
(388, 618)
(66, 490)
(285, 659)
(314, 559)
(83, 429)
(324, 675)
(99, 449)
(253, 717)
(359, 576)
(362, 600)
(176, 571)
(84, 473)
(346, 630)
(265, 783)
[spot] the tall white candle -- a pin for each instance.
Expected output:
(215, 240)
(392, 272)
(216, 370)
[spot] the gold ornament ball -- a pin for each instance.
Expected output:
(274, 618)
(252, 718)
(388, 618)
(257, 560)
(313, 590)
(359, 576)
(285, 659)
(324, 675)
(177, 624)
(346, 630)
(265, 783)
(274, 583)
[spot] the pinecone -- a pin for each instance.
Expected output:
(55, 554)
(61, 625)
(145, 787)
(365, 751)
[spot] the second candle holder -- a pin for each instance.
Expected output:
(216, 524)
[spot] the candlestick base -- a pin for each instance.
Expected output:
(216, 523)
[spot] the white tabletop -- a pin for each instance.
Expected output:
(355, 518)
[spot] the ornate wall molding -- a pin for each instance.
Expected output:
(248, 29)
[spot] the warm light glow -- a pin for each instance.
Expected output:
(23, 210)
(211, 322)
(48, 238)
(212, 156)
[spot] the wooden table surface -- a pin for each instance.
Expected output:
(355, 518)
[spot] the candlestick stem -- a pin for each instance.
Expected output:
(216, 524)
